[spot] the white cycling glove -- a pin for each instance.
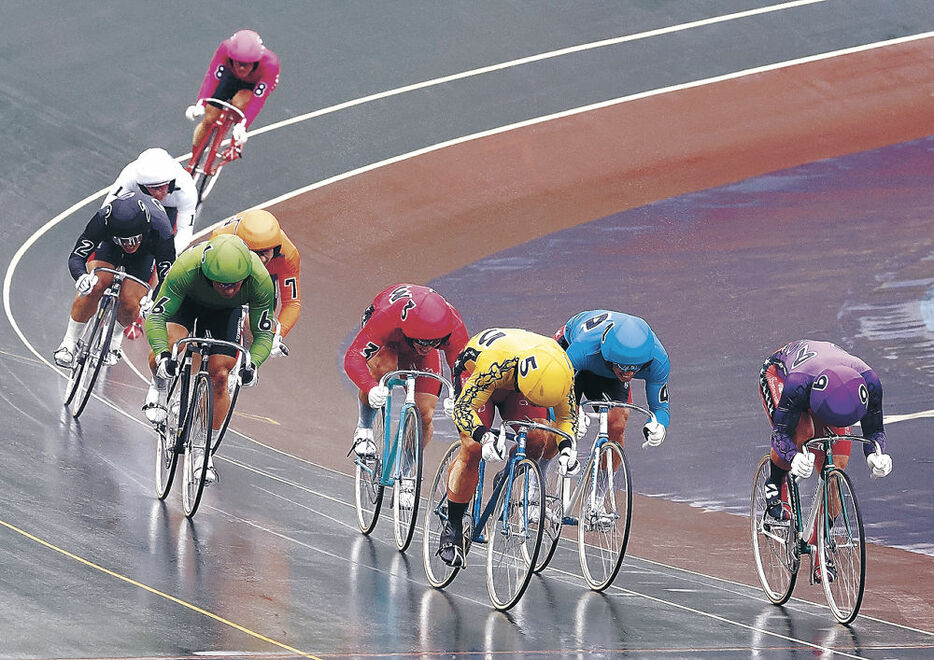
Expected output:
(654, 433)
(192, 112)
(277, 343)
(567, 461)
(448, 405)
(802, 465)
(145, 306)
(239, 133)
(880, 464)
(378, 396)
(493, 447)
(583, 423)
(85, 283)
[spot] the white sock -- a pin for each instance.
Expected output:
(73, 331)
(116, 341)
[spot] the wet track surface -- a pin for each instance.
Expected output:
(92, 565)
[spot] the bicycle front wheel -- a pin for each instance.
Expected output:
(841, 545)
(514, 536)
(438, 573)
(368, 491)
(197, 439)
(167, 439)
(98, 343)
(774, 543)
(409, 481)
(554, 514)
(604, 514)
(200, 164)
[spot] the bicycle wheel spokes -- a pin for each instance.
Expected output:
(554, 513)
(603, 516)
(167, 436)
(98, 342)
(368, 491)
(842, 545)
(408, 483)
(773, 544)
(197, 444)
(513, 538)
(438, 573)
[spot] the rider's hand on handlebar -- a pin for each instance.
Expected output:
(85, 283)
(166, 367)
(145, 306)
(567, 460)
(493, 447)
(802, 465)
(277, 345)
(448, 405)
(378, 396)
(880, 464)
(248, 375)
(238, 134)
(654, 433)
(192, 112)
(583, 423)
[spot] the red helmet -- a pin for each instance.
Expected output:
(427, 315)
(245, 46)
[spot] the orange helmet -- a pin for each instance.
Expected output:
(259, 229)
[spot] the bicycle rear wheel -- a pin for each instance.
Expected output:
(554, 514)
(774, 545)
(604, 514)
(368, 491)
(197, 444)
(841, 544)
(438, 573)
(514, 538)
(98, 344)
(167, 437)
(409, 482)
(200, 164)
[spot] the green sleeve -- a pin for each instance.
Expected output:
(171, 294)
(262, 304)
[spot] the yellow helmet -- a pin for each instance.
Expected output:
(259, 229)
(544, 374)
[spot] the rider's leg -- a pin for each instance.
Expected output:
(462, 482)
(219, 370)
(82, 308)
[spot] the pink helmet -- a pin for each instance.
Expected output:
(245, 46)
(429, 317)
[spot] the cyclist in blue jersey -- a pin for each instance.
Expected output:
(608, 350)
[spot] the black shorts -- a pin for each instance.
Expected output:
(138, 264)
(228, 85)
(221, 323)
(594, 387)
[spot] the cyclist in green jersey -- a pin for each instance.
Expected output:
(205, 291)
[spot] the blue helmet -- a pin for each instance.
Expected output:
(127, 219)
(839, 396)
(628, 343)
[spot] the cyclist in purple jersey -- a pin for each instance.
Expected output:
(807, 388)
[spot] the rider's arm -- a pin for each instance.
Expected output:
(262, 313)
(566, 415)
(364, 346)
(290, 286)
(93, 234)
(656, 389)
(476, 392)
(269, 78)
(171, 293)
(793, 402)
(185, 199)
(215, 69)
(871, 423)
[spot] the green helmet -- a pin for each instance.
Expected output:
(226, 259)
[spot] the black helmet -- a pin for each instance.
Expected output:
(127, 219)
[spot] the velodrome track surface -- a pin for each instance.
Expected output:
(273, 563)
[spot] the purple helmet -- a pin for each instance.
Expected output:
(245, 46)
(839, 396)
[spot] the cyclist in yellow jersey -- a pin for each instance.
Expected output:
(522, 374)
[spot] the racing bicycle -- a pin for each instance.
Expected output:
(397, 461)
(94, 342)
(186, 430)
(210, 155)
(510, 523)
(834, 522)
(601, 497)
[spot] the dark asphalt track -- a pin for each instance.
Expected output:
(92, 565)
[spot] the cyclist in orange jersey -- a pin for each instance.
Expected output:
(260, 230)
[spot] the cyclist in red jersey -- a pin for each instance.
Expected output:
(243, 72)
(406, 327)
